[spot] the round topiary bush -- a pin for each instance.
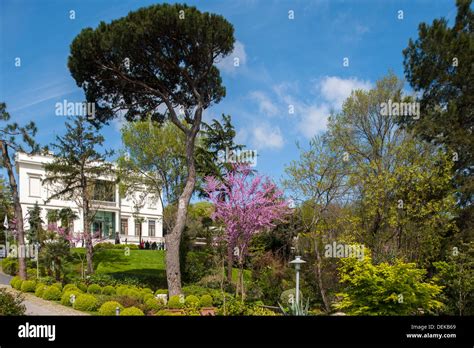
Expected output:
(161, 291)
(70, 287)
(39, 290)
(132, 311)
(121, 289)
(153, 304)
(16, 282)
(85, 302)
(286, 297)
(58, 285)
(28, 286)
(192, 301)
(176, 301)
(66, 297)
(133, 294)
(108, 290)
(52, 293)
(147, 296)
(206, 301)
(94, 289)
(82, 286)
(109, 308)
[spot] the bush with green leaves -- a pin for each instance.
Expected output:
(385, 289)
(58, 285)
(94, 289)
(28, 286)
(233, 307)
(122, 289)
(153, 304)
(10, 266)
(82, 286)
(109, 308)
(86, 303)
(69, 287)
(16, 282)
(205, 301)
(39, 290)
(195, 290)
(66, 297)
(132, 311)
(134, 293)
(161, 291)
(147, 296)
(11, 304)
(108, 290)
(197, 264)
(191, 301)
(288, 297)
(52, 293)
(176, 302)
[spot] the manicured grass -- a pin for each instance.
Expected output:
(147, 265)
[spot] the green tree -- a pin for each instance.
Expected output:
(67, 217)
(438, 65)
(35, 233)
(456, 275)
(385, 289)
(12, 140)
(75, 169)
(156, 61)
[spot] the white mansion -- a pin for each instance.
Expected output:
(113, 214)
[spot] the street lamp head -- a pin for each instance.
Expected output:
(297, 262)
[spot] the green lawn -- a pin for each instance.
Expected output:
(146, 265)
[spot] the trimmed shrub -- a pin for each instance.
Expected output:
(10, 266)
(82, 286)
(192, 301)
(195, 290)
(31, 273)
(147, 297)
(152, 304)
(132, 311)
(11, 304)
(121, 289)
(161, 291)
(69, 287)
(205, 301)
(286, 296)
(66, 297)
(109, 307)
(39, 290)
(94, 289)
(52, 293)
(108, 290)
(133, 294)
(176, 301)
(85, 302)
(58, 285)
(16, 282)
(28, 286)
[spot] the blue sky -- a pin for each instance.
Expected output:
(283, 62)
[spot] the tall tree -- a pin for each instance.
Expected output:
(156, 60)
(35, 233)
(12, 140)
(75, 169)
(438, 65)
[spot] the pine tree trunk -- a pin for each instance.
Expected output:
(87, 235)
(173, 240)
(18, 212)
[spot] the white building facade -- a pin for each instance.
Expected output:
(113, 215)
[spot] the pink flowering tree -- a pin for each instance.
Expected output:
(246, 204)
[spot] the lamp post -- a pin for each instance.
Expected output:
(297, 262)
(5, 224)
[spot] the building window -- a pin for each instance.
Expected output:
(35, 186)
(138, 228)
(104, 191)
(124, 226)
(151, 228)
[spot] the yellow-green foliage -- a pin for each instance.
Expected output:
(385, 289)
(109, 308)
(132, 311)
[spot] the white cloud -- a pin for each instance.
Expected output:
(335, 90)
(264, 136)
(313, 119)
(265, 105)
(227, 64)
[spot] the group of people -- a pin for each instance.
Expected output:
(151, 245)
